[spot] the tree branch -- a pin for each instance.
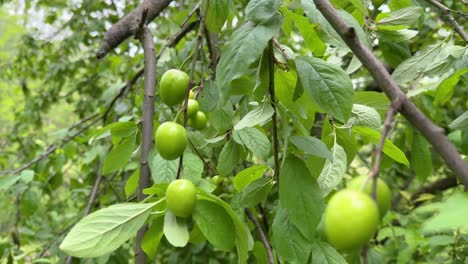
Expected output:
(146, 40)
(449, 18)
(271, 89)
(261, 234)
(129, 25)
(434, 134)
(437, 186)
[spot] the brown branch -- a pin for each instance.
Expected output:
(271, 89)
(434, 134)
(261, 234)
(129, 25)
(449, 18)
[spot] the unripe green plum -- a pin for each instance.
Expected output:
(384, 194)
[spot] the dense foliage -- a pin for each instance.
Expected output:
(268, 160)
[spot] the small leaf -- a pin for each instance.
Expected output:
(114, 225)
(248, 175)
(7, 181)
(258, 115)
(326, 254)
(406, 17)
(152, 237)
(175, 230)
(376, 100)
(193, 167)
(333, 171)
(132, 183)
(229, 157)
(218, 11)
(162, 170)
(123, 129)
(118, 156)
(366, 116)
(445, 90)
(460, 122)
(312, 146)
(215, 224)
(389, 148)
(256, 192)
(260, 11)
(421, 159)
(254, 140)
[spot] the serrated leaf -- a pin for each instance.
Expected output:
(326, 254)
(327, 85)
(260, 11)
(421, 159)
(218, 11)
(312, 146)
(114, 225)
(243, 48)
(366, 116)
(256, 116)
(389, 148)
(175, 230)
(152, 237)
(215, 224)
(405, 16)
(208, 98)
(300, 195)
(221, 117)
(256, 192)
(162, 170)
(193, 167)
(248, 175)
(460, 122)
(229, 157)
(253, 140)
(119, 156)
(333, 171)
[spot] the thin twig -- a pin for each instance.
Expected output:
(449, 18)
(434, 134)
(202, 158)
(195, 9)
(271, 89)
(261, 234)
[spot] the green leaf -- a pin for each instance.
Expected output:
(395, 35)
(123, 129)
(206, 185)
(256, 192)
(132, 183)
(218, 11)
(366, 116)
(243, 48)
(114, 225)
(333, 171)
(421, 159)
(326, 254)
(215, 224)
(308, 32)
(7, 181)
(242, 232)
(312, 146)
(208, 98)
(300, 195)
(162, 170)
(406, 17)
(394, 53)
(193, 167)
(260, 11)
(248, 175)
(152, 237)
(445, 90)
(452, 215)
(284, 232)
(460, 122)
(175, 230)
(258, 115)
(229, 157)
(221, 117)
(119, 156)
(376, 100)
(327, 85)
(254, 140)
(389, 148)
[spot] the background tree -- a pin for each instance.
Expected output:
(300, 97)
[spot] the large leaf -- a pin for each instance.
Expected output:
(406, 17)
(333, 171)
(229, 157)
(254, 140)
(162, 170)
(256, 192)
(118, 156)
(248, 175)
(175, 230)
(215, 224)
(105, 230)
(452, 215)
(152, 237)
(300, 195)
(244, 46)
(327, 85)
(256, 116)
(260, 11)
(389, 148)
(445, 90)
(326, 254)
(218, 11)
(312, 146)
(193, 167)
(376, 100)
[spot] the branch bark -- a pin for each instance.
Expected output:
(130, 24)
(146, 40)
(449, 18)
(271, 89)
(263, 238)
(434, 134)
